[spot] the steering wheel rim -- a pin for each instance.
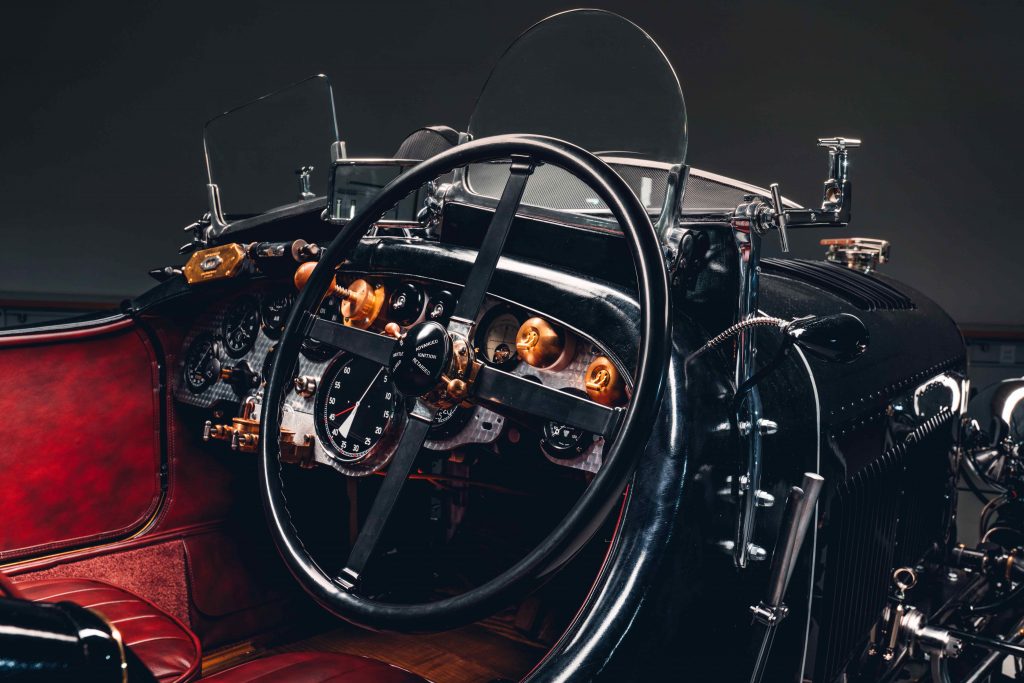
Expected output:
(335, 593)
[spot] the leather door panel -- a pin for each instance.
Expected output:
(80, 444)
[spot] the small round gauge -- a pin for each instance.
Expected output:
(202, 363)
(405, 303)
(498, 341)
(274, 312)
(449, 421)
(563, 441)
(330, 310)
(240, 327)
(355, 404)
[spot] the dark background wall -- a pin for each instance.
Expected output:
(102, 106)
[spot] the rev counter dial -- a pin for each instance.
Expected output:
(330, 310)
(355, 405)
(202, 363)
(240, 326)
(274, 312)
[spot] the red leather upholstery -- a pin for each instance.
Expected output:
(165, 645)
(81, 437)
(315, 667)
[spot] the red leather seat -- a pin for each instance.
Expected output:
(315, 667)
(165, 645)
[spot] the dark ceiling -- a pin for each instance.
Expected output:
(103, 106)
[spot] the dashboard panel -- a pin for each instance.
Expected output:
(345, 407)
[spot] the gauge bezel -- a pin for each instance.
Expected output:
(246, 300)
(480, 336)
(271, 331)
(377, 455)
(321, 353)
(566, 454)
(216, 350)
(453, 425)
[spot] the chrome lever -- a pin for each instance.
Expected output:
(780, 216)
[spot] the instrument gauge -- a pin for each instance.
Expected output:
(240, 327)
(354, 406)
(330, 310)
(274, 312)
(563, 441)
(202, 363)
(498, 341)
(449, 421)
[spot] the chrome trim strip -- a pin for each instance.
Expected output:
(62, 327)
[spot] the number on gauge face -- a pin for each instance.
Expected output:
(330, 309)
(449, 421)
(355, 404)
(202, 364)
(274, 312)
(499, 340)
(240, 326)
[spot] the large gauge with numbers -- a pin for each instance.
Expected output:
(355, 405)
(240, 326)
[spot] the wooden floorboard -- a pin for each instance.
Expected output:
(472, 654)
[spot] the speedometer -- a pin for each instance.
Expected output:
(355, 405)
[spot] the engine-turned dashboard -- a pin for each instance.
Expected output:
(343, 411)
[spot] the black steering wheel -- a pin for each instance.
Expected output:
(433, 366)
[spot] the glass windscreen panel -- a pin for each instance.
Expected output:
(273, 151)
(594, 79)
(356, 182)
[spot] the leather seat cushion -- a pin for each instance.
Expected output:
(165, 645)
(315, 667)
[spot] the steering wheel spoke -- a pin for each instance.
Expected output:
(398, 472)
(479, 279)
(369, 345)
(518, 393)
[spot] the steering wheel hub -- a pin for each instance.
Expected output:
(420, 358)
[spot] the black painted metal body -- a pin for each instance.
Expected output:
(669, 603)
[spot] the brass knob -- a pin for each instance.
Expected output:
(538, 343)
(302, 274)
(361, 303)
(604, 383)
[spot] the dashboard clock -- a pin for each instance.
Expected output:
(496, 340)
(354, 406)
(202, 363)
(240, 326)
(274, 312)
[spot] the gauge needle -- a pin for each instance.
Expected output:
(339, 414)
(347, 424)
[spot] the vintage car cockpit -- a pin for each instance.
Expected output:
(522, 402)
